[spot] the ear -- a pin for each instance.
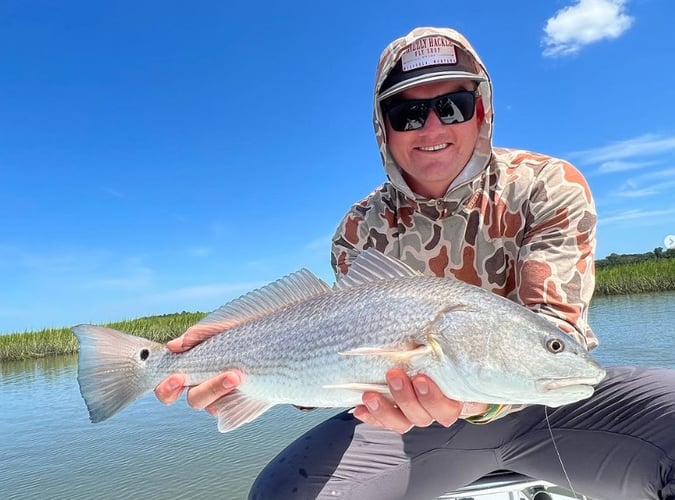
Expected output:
(480, 110)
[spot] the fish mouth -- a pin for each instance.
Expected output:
(553, 384)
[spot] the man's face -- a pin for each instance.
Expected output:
(432, 156)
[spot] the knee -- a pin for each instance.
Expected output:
(306, 465)
(282, 479)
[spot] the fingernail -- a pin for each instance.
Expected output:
(396, 383)
(230, 382)
(422, 387)
(175, 344)
(372, 404)
(172, 384)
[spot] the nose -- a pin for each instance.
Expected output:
(432, 122)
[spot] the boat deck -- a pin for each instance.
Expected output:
(507, 485)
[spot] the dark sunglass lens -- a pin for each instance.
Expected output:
(457, 107)
(408, 115)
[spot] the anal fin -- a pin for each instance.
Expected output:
(236, 409)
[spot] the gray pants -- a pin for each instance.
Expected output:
(618, 444)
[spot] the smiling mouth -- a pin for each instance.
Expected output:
(437, 147)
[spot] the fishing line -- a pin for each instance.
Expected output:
(555, 447)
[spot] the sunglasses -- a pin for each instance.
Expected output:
(412, 114)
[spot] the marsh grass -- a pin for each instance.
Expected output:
(655, 275)
(59, 341)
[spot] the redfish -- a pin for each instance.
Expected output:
(299, 341)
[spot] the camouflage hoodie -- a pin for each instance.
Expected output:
(517, 223)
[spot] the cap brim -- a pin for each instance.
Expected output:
(429, 78)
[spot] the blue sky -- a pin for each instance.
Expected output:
(165, 156)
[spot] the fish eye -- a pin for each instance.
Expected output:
(145, 354)
(555, 345)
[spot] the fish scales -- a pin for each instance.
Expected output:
(266, 350)
(323, 327)
(298, 341)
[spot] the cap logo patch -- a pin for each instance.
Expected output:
(428, 51)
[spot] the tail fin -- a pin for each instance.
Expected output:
(112, 369)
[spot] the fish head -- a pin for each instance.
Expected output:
(563, 371)
(518, 358)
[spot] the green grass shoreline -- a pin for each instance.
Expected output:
(61, 341)
(650, 276)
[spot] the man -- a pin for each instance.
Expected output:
(517, 223)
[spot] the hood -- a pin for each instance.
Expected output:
(481, 154)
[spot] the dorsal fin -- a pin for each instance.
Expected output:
(372, 265)
(292, 289)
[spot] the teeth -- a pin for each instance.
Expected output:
(434, 148)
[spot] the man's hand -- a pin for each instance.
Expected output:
(202, 396)
(417, 402)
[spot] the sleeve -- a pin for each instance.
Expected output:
(351, 237)
(555, 273)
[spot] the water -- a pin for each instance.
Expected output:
(49, 450)
(635, 329)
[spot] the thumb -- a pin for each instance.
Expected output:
(194, 335)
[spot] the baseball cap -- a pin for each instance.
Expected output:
(430, 59)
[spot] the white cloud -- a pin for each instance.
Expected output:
(648, 184)
(638, 147)
(637, 193)
(202, 251)
(643, 217)
(583, 23)
(57, 261)
(612, 166)
(665, 176)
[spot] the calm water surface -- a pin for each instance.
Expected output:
(48, 448)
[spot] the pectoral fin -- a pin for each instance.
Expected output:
(362, 387)
(402, 355)
(237, 409)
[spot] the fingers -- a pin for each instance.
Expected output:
(170, 389)
(205, 394)
(417, 402)
(193, 336)
(201, 396)
(377, 410)
(441, 409)
(405, 397)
